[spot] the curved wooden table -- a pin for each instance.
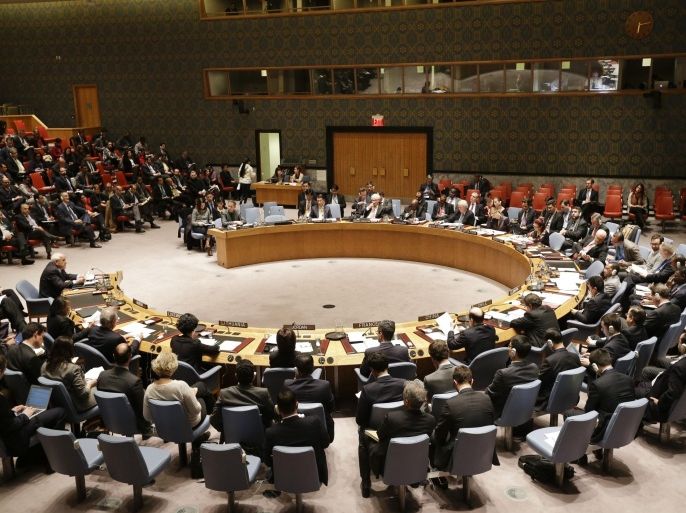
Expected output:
(473, 253)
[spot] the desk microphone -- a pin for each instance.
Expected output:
(367, 331)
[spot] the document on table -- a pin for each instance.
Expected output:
(303, 347)
(137, 329)
(229, 345)
(509, 316)
(445, 323)
(554, 299)
(208, 341)
(637, 269)
(271, 339)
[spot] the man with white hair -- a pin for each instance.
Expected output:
(376, 210)
(595, 249)
(463, 215)
(55, 278)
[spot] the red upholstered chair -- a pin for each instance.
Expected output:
(539, 201)
(460, 187)
(7, 249)
(121, 180)
(442, 184)
(38, 183)
(44, 134)
(225, 189)
(561, 196)
(9, 131)
(664, 209)
(469, 193)
(516, 198)
(20, 126)
(106, 178)
(613, 207)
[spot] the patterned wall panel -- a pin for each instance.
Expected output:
(147, 56)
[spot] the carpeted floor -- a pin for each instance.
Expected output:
(159, 270)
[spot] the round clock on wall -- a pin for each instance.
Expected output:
(639, 25)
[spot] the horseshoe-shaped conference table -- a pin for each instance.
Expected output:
(494, 257)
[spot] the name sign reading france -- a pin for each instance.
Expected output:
(368, 324)
(430, 316)
(175, 315)
(482, 304)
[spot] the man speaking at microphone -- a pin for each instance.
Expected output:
(55, 278)
(375, 210)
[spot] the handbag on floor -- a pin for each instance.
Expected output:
(542, 469)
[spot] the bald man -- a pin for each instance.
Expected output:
(476, 339)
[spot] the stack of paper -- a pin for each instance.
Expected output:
(93, 373)
(208, 341)
(138, 330)
(229, 345)
(271, 339)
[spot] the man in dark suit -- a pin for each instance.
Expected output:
(552, 220)
(376, 209)
(665, 313)
(28, 228)
(54, 278)
(384, 389)
(429, 189)
(243, 394)
(62, 182)
(519, 371)
(72, 218)
(606, 391)
(576, 229)
(334, 198)
(525, 219)
(393, 353)
(119, 379)
(296, 431)
(476, 208)
(666, 389)
(481, 184)
(476, 339)
(442, 209)
(614, 341)
(596, 304)
(103, 337)
(439, 381)
(593, 247)
(11, 309)
(559, 360)
(416, 210)
(310, 390)
(469, 409)
(588, 199)
(463, 215)
(320, 210)
(536, 321)
(677, 292)
(28, 356)
(410, 421)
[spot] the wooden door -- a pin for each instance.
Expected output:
(395, 162)
(86, 105)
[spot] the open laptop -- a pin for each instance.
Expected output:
(38, 398)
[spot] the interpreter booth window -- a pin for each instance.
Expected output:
(248, 82)
(604, 75)
(518, 77)
(635, 73)
(665, 73)
(391, 80)
(322, 83)
(218, 83)
(344, 81)
(223, 7)
(574, 76)
(491, 78)
(546, 77)
(255, 6)
(466, 78)
(339, 5)
(430, 79)
(367, 80)
(680, 72)
(289, 81)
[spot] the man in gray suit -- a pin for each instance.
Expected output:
(243, 394)
(439, 381)
(120, 380)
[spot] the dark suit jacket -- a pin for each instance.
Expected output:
(581, 196)
(604, 394)
(448, 211)
(534, 324)
(577, 230)
(120, 380)
(241, 395)
(190, 350)
(439, 381)
(469, 409)
(314, 212)
(475, 340)
(15, 430)
(393, 353)
(300, 432)
(59, 325)
(593, 309)
(478, 212)
(64, 221)
(62, 184)
(530, 215)
(556, 219)
(102, 339)
(381, 210)
(386, 389)
(398, 424)
(635, 334)
(517, 373)
(285, 360)
(468, 219)
(659, 320)
(617, 345)
(341, 201)
(558, 361)
(432, 190)
(310, 390)
(678, 296)
(53, 281)
(668, 388)
(21, 357)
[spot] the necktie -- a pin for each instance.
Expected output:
(71, 213)
(619, 252)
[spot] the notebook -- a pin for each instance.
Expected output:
(38, 398)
